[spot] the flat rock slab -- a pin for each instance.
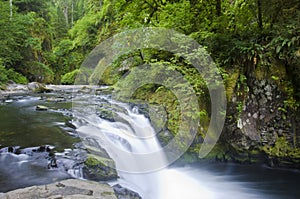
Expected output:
(67, 189)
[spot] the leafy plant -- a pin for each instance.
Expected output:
(69, 78)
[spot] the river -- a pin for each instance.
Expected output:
(26, 129)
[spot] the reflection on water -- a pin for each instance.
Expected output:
(21, 125)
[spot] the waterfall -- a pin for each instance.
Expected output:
(131, 142)
(140, 162)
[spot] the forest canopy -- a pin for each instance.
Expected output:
(45, 40)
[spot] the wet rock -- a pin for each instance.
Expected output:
(104, 90)
(123, 193)
(166, 136)
(11, 149)
(41, 149)
(29, 151)
(41, 108)
(11, 82)
(106, 114)
(12, 89)
(99, 169)
(53, 163)
(56, 99)
(38, 88)
(86, 89)
(67, 189)
(158, 117)
(70, 125)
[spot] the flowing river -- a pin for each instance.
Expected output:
(127, 137)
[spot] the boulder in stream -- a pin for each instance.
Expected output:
(124, 193)
(99, 168)
(41, 108)
(37, 87)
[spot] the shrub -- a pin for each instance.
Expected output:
(39, 72)
(10, 74)
(16, 77)
(3, 75)
(69, 78)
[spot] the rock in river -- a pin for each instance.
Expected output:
(41, 108)
(38, 88)
(67, 189)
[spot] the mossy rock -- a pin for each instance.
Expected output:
(105, 114)
(2, 87)
(282, 154)
(99, 168)
(105, 91)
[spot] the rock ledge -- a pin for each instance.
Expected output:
(66, 189)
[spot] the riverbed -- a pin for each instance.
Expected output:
(23, 130)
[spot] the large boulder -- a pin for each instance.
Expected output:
(67, 189)
(124, 193)
(99, 168)
(37, 87)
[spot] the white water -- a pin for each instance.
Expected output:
(129, 145)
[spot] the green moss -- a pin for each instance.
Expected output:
(100, 168)
(2, 86)
(282, 149)
(277, 70)
(94, 160)
(109, 76)
(218, 152)
(230, 83)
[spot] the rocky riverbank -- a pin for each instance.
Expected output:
(58, 163)
(34, 87)
(66, 189)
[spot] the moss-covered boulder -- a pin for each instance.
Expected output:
(99, 168)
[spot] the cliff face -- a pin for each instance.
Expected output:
(262, 122)
(262, 117)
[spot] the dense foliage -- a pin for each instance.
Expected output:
(43, 40)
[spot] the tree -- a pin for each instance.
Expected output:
(11, 9)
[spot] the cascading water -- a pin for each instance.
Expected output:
(23, 165)
(131, 137)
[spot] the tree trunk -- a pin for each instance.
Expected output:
(294, 131)
(66, 12)
(10, 7)
(259, 14)
(218, 8)
(72, 16)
